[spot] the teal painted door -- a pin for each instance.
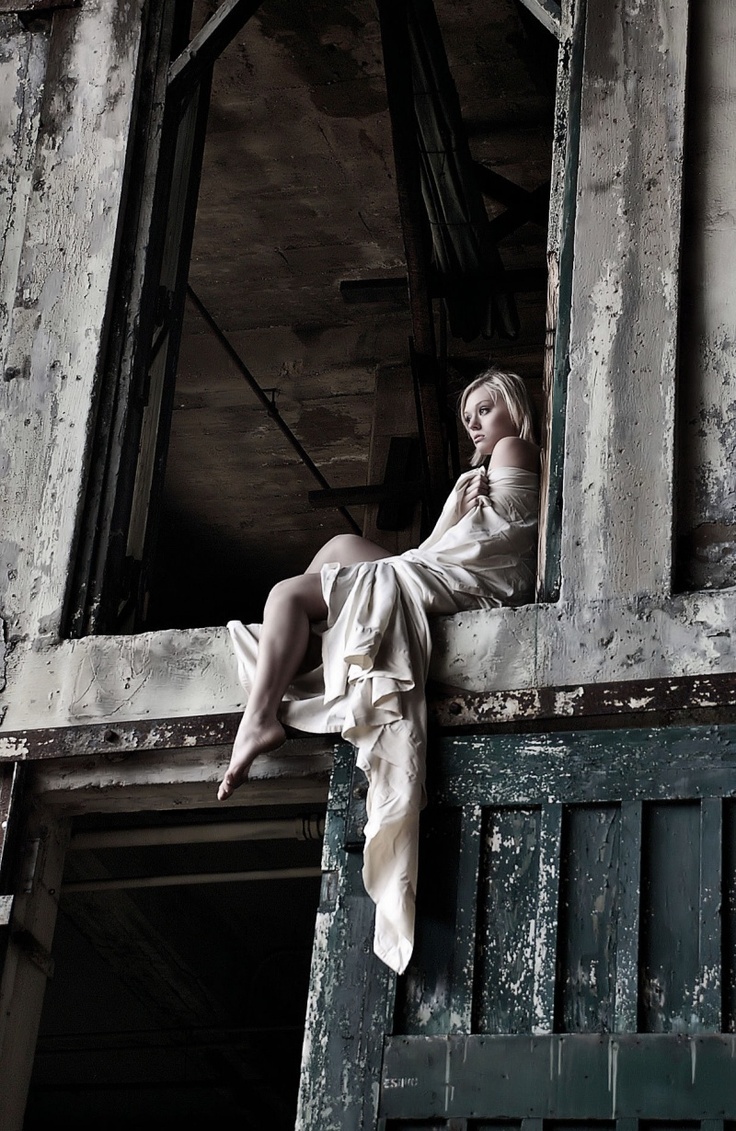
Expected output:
(575, 959)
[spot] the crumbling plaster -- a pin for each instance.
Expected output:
(59, 281)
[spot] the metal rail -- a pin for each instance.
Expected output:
(268, 404)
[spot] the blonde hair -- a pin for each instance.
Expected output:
(512, 391)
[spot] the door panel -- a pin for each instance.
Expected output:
(576, 922)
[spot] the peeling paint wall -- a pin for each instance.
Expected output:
(707, 426)
(67, 144)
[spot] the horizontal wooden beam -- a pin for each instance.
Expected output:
(363, 496)
(453, 710)
(176, 780)
(516, 280)
(187, 879)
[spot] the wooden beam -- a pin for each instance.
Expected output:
(175, 780)
(361, 496)
(516, 280)
(27, 964)
(533, 210)
(209, 43)
(548, 13)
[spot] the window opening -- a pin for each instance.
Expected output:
(297, 199)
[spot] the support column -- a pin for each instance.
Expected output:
(619, 459)
(34, 890)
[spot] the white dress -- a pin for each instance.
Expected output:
(376, 647)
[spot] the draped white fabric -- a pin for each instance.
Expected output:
(376, 647)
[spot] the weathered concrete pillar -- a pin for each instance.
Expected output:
(707, 426)
(619, 459)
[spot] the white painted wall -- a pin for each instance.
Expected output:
(58, 272)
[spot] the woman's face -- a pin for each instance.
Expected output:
(486, 420)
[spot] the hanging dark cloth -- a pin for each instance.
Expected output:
(468, 265)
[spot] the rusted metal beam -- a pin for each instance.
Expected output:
(450, 710)
(123, 738)
(639, 696)
(267, 403)
(534, 205)
(209, 43)
(549, 14)
(534, 209)
(393, 15)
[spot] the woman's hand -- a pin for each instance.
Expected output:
(475, 487)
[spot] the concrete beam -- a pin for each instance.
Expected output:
(179, 674)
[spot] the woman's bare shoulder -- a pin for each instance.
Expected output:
(512, 451)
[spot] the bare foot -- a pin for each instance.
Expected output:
(251, 740)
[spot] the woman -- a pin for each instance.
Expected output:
(375, 641)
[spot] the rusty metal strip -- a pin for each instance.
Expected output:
(626, 697)
(118, 738)
(452, 711)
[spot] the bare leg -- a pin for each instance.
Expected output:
(291, 607)
(347, 549)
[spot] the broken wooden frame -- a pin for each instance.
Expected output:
(120, 525)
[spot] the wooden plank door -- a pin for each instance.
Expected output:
(575, 959)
